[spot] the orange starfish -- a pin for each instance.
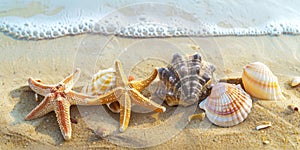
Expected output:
(59, 98)
(127, 93)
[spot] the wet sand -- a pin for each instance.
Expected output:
(52, 60)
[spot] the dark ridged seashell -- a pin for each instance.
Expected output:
(182, 81)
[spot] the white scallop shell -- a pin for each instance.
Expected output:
(227, 105)
(260, 82)
(102, 82)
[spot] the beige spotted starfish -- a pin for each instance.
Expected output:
(128, 93)
(58, 98)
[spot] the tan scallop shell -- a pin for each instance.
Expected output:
(260, 82)
(227, 105)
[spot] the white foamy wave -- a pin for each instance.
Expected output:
(144, 20)
(26, 29)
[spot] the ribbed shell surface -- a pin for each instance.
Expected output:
(260, 82)
(102, 82)
(227, 105)
(183, 79)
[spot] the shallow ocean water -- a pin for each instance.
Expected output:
(46, 19)
(48, 39)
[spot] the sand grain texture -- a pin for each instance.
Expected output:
(52, 60)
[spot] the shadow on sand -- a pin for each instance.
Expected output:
(25, 101)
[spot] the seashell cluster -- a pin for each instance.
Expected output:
(227, 105)
(182, 81)
(260, 82)
(102, 82)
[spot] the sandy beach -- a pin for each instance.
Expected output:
(52, 60)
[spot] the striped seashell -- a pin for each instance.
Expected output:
(102, 82)
(260, 82)
(227, 105)
(182, 81)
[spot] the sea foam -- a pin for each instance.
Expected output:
(144, 20)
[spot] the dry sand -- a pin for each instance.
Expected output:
(52, 60)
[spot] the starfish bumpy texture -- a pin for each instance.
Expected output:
(127, 93)
(58, 98)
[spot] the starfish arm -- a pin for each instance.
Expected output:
(82, 99)
(62, 111)
(140, 85)
(76, 98)
(139, 99)
(121, 79)
(38, 87)
(111, 96)
(43, 108)
(70, 80)
(125, 110)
